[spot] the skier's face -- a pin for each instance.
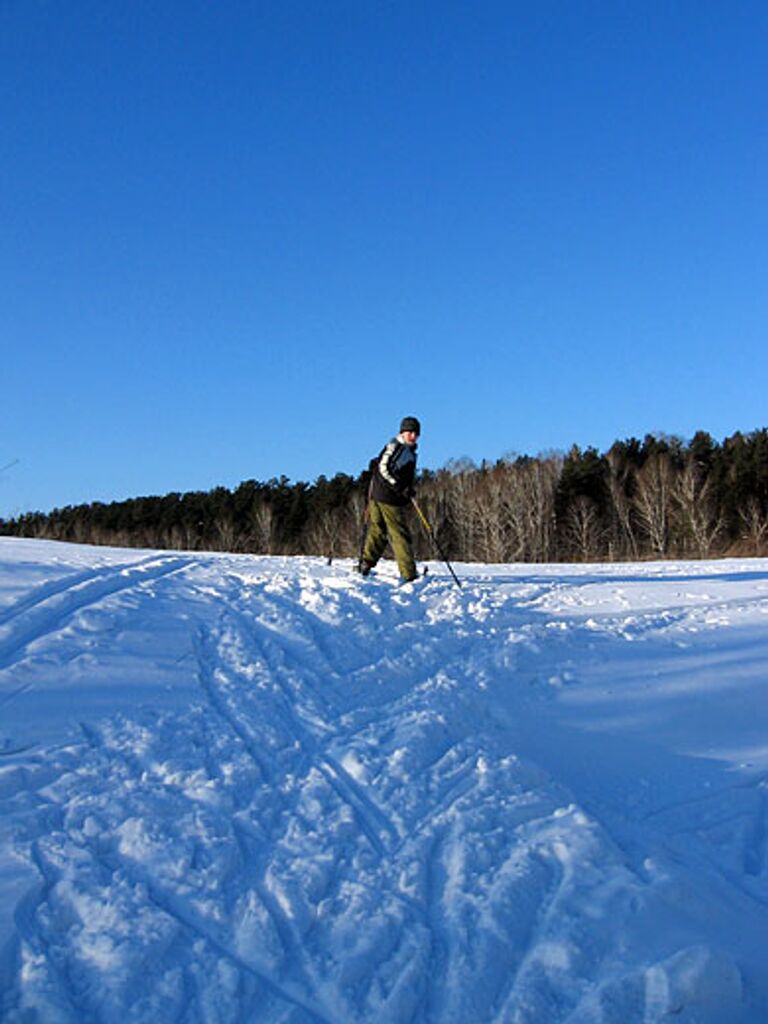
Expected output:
(410, 436)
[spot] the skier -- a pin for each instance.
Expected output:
(391, 490)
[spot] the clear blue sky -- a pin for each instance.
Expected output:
(242, 239)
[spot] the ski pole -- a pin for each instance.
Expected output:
(363, 535)
(433, 538)
(364, 530)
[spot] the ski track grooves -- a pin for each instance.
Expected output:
(453, 859)
(295, 699)
(180, 912)
(69, 581)
(380, 831)
(206, 675)
(48, 609)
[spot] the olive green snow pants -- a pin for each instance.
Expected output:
(387, 522)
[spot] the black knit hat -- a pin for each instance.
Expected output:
(410, 423)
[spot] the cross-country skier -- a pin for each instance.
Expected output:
(392, 488)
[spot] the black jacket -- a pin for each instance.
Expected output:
(394, 472)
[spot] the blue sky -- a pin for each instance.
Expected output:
(242, 239)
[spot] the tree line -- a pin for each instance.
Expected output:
(658, 498)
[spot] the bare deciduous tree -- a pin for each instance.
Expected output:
(538, 486)
(583, 529)
(226, 534)
(618, 479)
(699, 518)
(324, 536)
(653, 501)
(263, 528)
(755, 520)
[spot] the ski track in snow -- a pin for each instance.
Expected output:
(47, 609)
(372, 803)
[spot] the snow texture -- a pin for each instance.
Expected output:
(264, 789)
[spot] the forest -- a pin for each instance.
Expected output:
(658, 498)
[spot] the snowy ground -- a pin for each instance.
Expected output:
(258, 789)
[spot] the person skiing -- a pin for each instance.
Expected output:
(391, 490)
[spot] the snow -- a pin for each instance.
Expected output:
(263, 789)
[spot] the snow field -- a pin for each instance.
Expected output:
(263, 789)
